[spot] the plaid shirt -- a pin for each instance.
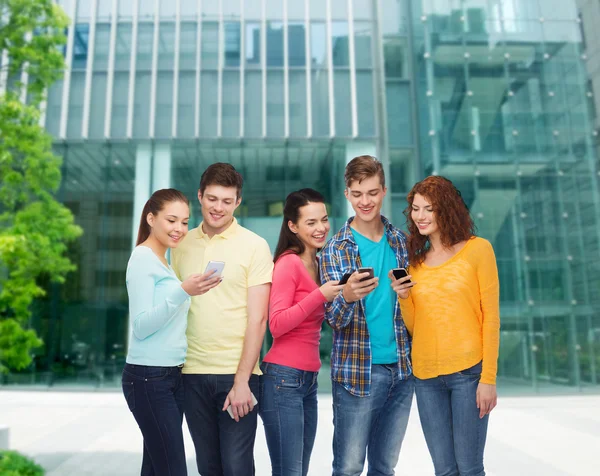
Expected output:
(351, 352)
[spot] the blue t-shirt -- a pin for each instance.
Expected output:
(379, 304)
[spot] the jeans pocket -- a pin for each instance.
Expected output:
(129, 393)
(288, 378)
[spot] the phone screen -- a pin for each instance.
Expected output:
(400, 273)
(367, 270)
(216, 265)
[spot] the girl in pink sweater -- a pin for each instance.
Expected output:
(288, 386)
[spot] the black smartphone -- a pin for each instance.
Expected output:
(346, 277)
(367, 270)
(400, 273)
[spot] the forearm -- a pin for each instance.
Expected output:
(283, 320)
(407, 309)
(253, 341)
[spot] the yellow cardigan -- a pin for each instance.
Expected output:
(453, 313)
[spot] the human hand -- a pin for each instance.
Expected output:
(401, 286)
(486, 398)
(355, 289)
(198, 284)
(240, 399)
(331, 289)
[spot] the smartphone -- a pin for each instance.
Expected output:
(346, 277)
(230, 411)
(400, 273)
(367, 270)
(217, 265)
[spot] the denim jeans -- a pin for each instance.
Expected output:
(454, 433)
(288, 408)
(375, 424)
(224, 447)
(155, 397)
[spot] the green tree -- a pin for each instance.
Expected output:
(35, 229)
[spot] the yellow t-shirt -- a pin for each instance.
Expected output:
(453, 313)
(217, 319)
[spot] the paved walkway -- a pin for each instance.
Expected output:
(85, 434)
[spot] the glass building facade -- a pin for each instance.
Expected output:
(493, 94)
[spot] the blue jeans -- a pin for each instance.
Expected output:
(449, 416)
(288, 406)
(376, 424)
(224, 447)
(155, 397)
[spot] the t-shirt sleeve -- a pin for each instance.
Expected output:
(146, 317)
(284, 315)
(261, 265)
(489, 289)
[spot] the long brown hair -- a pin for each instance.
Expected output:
(451, 215)
(288, 241)
(155, 204)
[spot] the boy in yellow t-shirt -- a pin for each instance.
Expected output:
(226, 327)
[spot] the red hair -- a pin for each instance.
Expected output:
(451, 215)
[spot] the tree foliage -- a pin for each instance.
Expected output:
(35, 229)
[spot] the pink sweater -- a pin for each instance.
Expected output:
(296, 312)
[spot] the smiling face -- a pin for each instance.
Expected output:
(170, 225)
(218, 204)
(366, 198)
(312, 226)
(423, 215)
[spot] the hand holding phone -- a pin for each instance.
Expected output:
(401, 283)
(358, 287)
(254, 403)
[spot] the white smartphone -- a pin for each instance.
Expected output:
(216, 265)
(230, 411)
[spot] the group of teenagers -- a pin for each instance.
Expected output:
(197, 329)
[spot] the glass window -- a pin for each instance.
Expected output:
(339, 9)
(189, 9)
(145, 10)
(125, 9)
(187, 47)
(343, 109)
(399, 119)
(101, 46)
(231, 104)
(395, 58)
(104, 11)
(118, 120)
(296, 44)
(318, 45)
(295, 9)
(232, 44)
(208, 104)
(166, 46)
(97, 105)
(318, 9)
(144, 46)
(167, 9)
(253, 9)
(362, 44)
(274, 9)
(252, 45)
(365, 103)
(339, 43)
(253, 104)
(80, 45)
(141, 107)
(275, 109)
(163, 123)
(210, 9)
(210, 44)
(297, 106)
(363, 9)
(75, 105)
(274, 44)
(320, 103)
(186, 104)
(53, 108)
(123, 46)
